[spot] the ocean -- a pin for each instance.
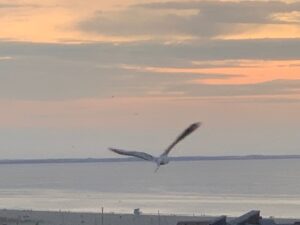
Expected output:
(230, 187)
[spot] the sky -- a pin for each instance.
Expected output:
(77, 77)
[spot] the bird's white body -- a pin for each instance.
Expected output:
(163, 159)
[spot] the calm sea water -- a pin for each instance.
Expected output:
(203, 187)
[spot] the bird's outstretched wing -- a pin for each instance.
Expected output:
(141, 155)
(185, 133)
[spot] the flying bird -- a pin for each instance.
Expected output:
(163, 159)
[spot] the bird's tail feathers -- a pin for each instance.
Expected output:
(157, 168)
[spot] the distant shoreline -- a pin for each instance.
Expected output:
(179, 158)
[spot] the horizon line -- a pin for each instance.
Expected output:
(131, 159)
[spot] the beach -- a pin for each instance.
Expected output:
(32, 217)
(35, 217)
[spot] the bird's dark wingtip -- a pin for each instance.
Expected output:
(196, 125)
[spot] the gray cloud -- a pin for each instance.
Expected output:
(212, 18)
(229, 11)
(44, 78)
(57, 71)
(158, 54)
(153, 24)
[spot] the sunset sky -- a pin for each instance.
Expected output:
(77, 77)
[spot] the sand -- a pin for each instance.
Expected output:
(29, 217)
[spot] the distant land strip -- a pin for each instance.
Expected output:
(129, 159)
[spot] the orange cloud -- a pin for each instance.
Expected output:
(53, 21)
(251, 72)
(238, 71)
(256, 31)
(6, 58)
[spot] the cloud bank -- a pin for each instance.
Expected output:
(194, 19)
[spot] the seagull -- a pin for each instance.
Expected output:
(163, 159)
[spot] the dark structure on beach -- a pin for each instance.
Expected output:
(250, 218)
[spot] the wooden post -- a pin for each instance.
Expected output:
(102, 220)
(158, 217)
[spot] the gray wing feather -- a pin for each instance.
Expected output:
(185, 133)
(141, 155)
